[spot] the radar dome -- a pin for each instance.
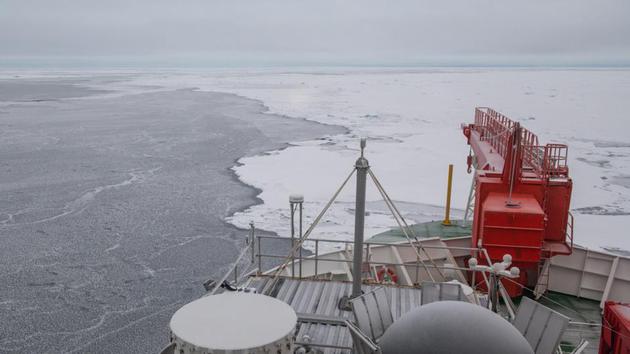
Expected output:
(453, 327)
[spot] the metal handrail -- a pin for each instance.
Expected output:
(411, 264)
(569, 229)
(254, 247)
(548, 160)
(367, 246)
(317, 257)
(232, 269)
(249, 246)
(373, 243)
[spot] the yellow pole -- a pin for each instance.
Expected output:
(447, 220)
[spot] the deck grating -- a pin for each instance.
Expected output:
(316, 297)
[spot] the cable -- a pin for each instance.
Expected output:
(391, 209)
(419, 244)
(306, 235)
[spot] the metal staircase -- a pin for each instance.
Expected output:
(543, 278)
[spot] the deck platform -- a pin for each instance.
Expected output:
(321, 322)
(426, 230)
(586, 320)
(319, 318)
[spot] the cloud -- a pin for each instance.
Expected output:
(321, 31)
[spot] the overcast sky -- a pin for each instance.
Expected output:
(321, 31)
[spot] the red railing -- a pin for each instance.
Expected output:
(494, 128)
(555, 160)
(546, 161)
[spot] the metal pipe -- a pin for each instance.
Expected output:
(291, 205)
(252, 240)
(362, 165)
(507, 301)
(516, 142)
(447, 216)
(493, 292)
(295, 202)
(259, 256)
(417, 269)
(368, 258)
(300, 235)
(472, 277)
(323, 345)
(316, 256)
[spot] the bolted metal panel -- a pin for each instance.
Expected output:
(432, 292)
(540, 325)
(320, 319)
(373, 313)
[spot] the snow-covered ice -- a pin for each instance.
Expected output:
(412, 118)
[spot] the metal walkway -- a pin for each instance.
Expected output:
(320, 320)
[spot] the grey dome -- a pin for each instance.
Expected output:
(446, 327)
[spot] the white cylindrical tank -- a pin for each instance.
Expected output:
(234, 322)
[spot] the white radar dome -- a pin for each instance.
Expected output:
(234, 322)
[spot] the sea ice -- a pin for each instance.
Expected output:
(412, 118)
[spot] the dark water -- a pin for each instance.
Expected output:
(112, 209)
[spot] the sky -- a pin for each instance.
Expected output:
(359, 32)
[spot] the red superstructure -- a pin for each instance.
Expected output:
(615, 336)
(522, 195)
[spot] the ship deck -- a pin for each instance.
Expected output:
(426, 230)
(321, 322)
(586, 320)
(585, 313)
(319, 318)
